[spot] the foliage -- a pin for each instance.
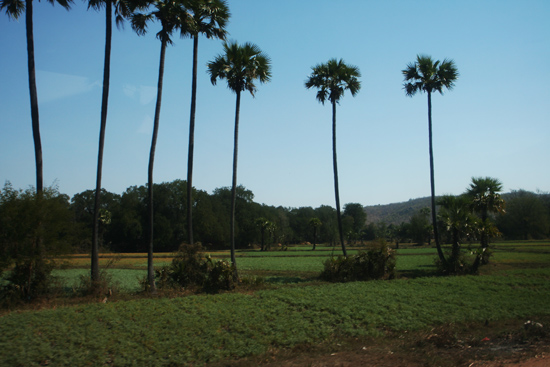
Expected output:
(527, 216)
(377, 263)
(191, 268)
(33, 228)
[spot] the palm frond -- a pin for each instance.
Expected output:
(64, 3)
(14, 8)
(332, 79)
(428, 76)
(241, 66)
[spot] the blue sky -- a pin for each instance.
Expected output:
(495, 122)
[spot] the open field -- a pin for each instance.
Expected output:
(419, 317)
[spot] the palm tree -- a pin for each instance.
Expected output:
(123, 9)
(173, 16)
(459, 222)
(485, 199)
(210, 18)
(332, 79)
(14, 9)
(240, 66)
(425, 75)
(314, 223)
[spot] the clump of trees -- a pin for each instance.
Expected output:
(34, 228)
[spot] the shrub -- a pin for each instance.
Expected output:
(26, 281)
(378, 263)
(191, 268)
(464, 263)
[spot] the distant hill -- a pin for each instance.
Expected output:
(396, 213)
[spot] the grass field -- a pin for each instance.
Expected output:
(198, 329)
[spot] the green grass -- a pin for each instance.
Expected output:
(124, 280)
(199, 329)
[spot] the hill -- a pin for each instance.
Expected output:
(396, 213)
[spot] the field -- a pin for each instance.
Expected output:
(292, 318)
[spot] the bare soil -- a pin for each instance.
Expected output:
(510, 343)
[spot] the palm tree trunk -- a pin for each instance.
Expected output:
(336, 189)
(432, 183)
(192, 142)
(104, 102)
(234, 184)
(150, 268)
(34, 98)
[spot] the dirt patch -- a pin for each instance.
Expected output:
(515, 343)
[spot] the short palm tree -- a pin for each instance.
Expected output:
(14, 9)
(485, 199)
(210, 19)
(122, 9)
(240, 66)
(425, 75)
(315, 223)
(459, 221)
(173, 16)
(332, 79)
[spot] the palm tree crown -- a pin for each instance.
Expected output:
(14, 8)
(332, 79)
(426, 75)
(211, 17)
(240, 66)
(486, 199)
(172, 15)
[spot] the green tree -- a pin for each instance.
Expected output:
(34, 228)
(419, 226)
(332, 79)
(122, 9)
(240, 66)
(14, 9)
(263, 224)
(526, 216)
(315, 223)
(458, 220)
(485, 200)
(356, 211)
(173, 16)
(425, 75)
(210, 19)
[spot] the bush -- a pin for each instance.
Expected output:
(465, 263)
(374, 264)
(26, 281)
(190, 268)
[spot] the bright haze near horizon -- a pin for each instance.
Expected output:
(495, 122)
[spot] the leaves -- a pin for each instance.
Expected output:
(332, 79)
(240, 66)
(429, 76)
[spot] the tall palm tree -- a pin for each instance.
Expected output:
(485, 199)
(122, 9)
(332, 79)
(173, 16)
(14, 9)
(210, 18)
(425, 75)
(240, 66)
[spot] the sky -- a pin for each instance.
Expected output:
(495, 122)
